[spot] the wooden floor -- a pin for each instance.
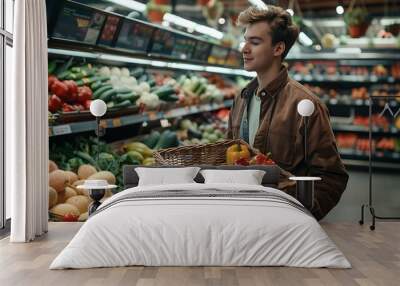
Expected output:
(375, 257)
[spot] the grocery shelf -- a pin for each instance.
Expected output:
(340, 79)
(364, 129)
(381, 159)
(349, 54)
(375, 165)
(78, 127)
(154, 62)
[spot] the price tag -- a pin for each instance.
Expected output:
(297, 77)
(333, 101)
(103, 123)
(62, 129)
(308, 77)
(152, 115)
(396, 155)
(116, 122)
(359, 102)
(390, 79)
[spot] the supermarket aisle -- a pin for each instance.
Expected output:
(385, 196)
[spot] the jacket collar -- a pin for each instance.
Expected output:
(271, 89)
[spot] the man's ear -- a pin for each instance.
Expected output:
(279, 49)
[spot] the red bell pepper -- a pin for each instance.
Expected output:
(72, 91)
(84, 94)
(87, 104)
(55, 103)
(50, 80)
(60, 89)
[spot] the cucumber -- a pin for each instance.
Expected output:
(165, 92)
(107, 95)
(137, 72)
(171, 98)
(151, 82)
(125, 103)
(123, 90)
(96, 85)
(90, 80)
(101, 90)
(126, 96)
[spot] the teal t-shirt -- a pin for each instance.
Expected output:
(254, 117)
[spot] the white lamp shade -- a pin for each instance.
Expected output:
(305, 107)
(98, 108)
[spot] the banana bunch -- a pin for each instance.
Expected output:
(139, 152)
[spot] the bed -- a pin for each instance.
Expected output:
(198, 224)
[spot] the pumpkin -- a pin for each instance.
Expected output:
(85, 171)
(58, 180)
(65, 195)
(53, 197)
(81, 202)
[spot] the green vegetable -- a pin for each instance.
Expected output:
(86, 157)
(152, 139)
(101, 90)
(62, 71)
(167, 139)
(135, 155)
(125, 103)
(52, 66)
(123, 90)
(126, 96)
(74, 163)
(137, 72)
(94, 86)
(107, 95)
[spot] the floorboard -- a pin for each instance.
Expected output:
(374, 255)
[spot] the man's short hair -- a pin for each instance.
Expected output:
(279, 20)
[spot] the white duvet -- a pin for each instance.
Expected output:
(200, 231)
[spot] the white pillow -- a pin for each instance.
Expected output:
(248, 177)
(164, 176)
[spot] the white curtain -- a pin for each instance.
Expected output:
(27, 124)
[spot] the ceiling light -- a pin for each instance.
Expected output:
(221, 21)
(339, 9)
(290, 11)
(134, 5)
(179, 21)
(258, 3)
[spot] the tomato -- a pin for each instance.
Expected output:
(55, 103)
(72, 91)
(50, 80)
(67, 107)
(70, 217)
(84, 94)
(60, 89)
(87, 104)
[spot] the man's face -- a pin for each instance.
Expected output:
(258, 52)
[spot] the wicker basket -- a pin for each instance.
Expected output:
(205, 154)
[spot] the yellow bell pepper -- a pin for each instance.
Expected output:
(236, 152)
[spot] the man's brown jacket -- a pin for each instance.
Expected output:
(281, 132)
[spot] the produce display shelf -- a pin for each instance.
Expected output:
(341, 79)
(78, 127)
(364, 129)
(363, 155)
(158, 63)
(356, 55)
(375, 165)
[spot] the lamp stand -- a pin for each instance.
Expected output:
(96, 195)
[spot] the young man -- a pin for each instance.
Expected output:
(265, 113)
